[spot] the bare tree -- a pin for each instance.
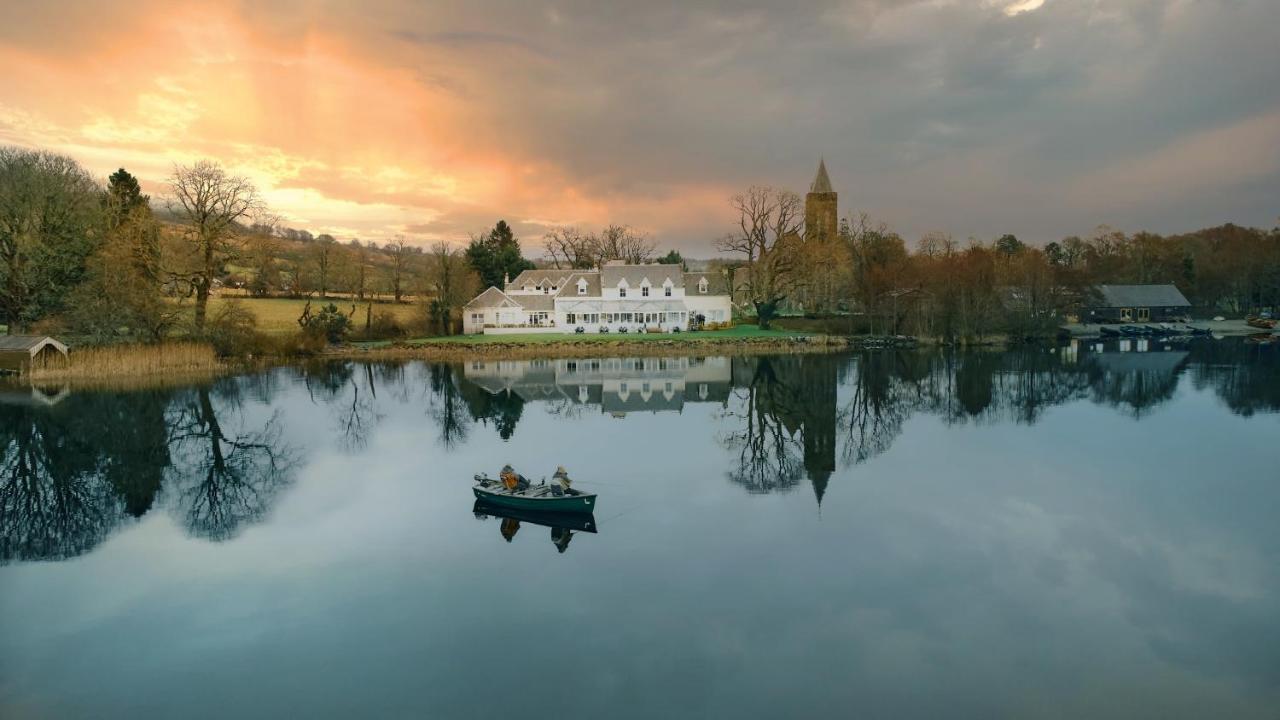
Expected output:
(768, 237)
(622, 242)
(570, 247)
(398, 249)
(450, 281)
(217, 207)
(324, 254)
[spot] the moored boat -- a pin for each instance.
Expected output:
(1260, 322)
(538, 498)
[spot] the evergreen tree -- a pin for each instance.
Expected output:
(496, 256)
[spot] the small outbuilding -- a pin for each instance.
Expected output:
(18, 353)
(1137, 303)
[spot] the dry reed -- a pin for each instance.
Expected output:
(131, 361)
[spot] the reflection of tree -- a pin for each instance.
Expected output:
(447, 406)
(351, 392)
(54, 503)
(69, 474)
(503, 409)
(877, 408)
(1244, 374)
(224, 479)
(773, 406)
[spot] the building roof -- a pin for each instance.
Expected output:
(635, 275)
(536, 302)
(1141, 296)
(570, 287)
(539, 276)
(28, 343)
(821, 183)
(717, 283)
(491, 298)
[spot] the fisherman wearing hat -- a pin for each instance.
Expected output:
(562, 477)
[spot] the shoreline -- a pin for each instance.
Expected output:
(456, 351)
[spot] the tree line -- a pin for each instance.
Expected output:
(965, 290)
(104, 262)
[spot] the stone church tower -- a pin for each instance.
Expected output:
(821, 220)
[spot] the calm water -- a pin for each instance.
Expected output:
(1078, 533)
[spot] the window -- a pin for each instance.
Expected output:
(666, 290)
(570, 318)
(571, 366)
(477, 318)
(702, 286)
(622, 291)
(582, 287)
(1144, 314)
(644, 291)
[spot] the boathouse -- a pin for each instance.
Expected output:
(1137, 303)
(18, 353)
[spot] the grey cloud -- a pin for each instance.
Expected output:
(914, 104)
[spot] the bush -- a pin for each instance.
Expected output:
(330, 323)
(233, 330)
(384, 326)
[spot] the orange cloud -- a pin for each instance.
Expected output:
(340, 138)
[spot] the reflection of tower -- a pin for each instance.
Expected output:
(819, 381)
(820, 212)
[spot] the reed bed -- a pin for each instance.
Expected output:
(178, 359)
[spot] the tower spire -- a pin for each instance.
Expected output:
(821, 183)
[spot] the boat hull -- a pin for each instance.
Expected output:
(584, 503)
(578, 522)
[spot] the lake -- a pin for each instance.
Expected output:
(1087, 531)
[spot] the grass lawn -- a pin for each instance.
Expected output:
(740, 331)
(280, 315)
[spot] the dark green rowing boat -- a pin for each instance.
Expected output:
(537, 498)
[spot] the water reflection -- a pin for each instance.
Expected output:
(73, 471)
(75, 466)
(563, 525)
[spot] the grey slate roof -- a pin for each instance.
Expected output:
(821, 183)
(27, 343)
(534, 277)
(536, 302)
(657, 275)
(1141, 296)
(570, 287)
(717, 283)
(491, 298)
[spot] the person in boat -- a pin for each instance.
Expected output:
(512, 480)
(561, 482)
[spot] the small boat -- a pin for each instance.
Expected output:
(1260, 322)
(577, 522)
(541, 498)
(1108, 332)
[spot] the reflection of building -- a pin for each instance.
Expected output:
(797, 393)
(635, 297)
(618, 385)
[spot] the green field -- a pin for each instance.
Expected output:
(741, 331)
(280, 315)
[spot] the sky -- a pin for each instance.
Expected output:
(1042, 118)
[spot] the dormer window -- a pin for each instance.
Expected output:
(666, 290)
(702, 286)
(644, 290)
(622, 290)
(582, 287)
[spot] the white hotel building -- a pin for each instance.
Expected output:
(635, 298)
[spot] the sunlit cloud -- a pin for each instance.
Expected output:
(425, 120)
